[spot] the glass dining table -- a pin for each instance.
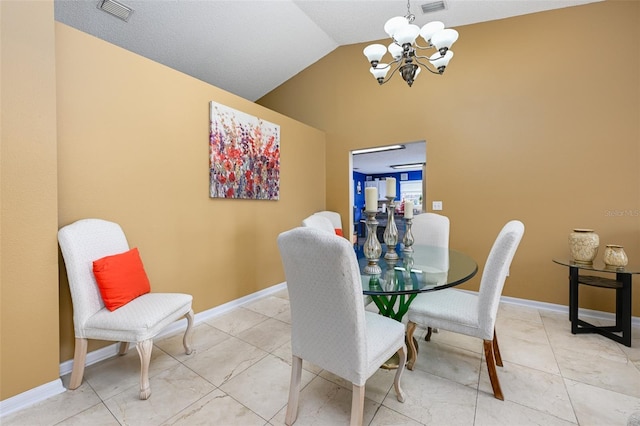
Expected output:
(425, 269)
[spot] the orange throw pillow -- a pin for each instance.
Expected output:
(121, 278)
(339, 232)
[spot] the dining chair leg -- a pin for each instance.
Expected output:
(144, 351)
(496, 349)
(294, 391)
(79, 359)
(428, 336)
(413, 352)
(123, 349)
(357, 405)
(491, 366)
(402, 353)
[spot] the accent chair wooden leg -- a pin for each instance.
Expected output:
(496, 349)
(428, 336)
(411, 328)
(79, 359)
(491, 366)
(123, 349)
(402, 354)
(357, 405)
(144, 350)
(294, 390)
(186, 340)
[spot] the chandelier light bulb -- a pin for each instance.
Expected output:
(380, 72)
(444, 39)
(428, 30)
(395, 50)
(393, 24)
(407, 34)
(374, 52)
(441, 62)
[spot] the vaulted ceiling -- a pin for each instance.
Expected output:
(251, 47)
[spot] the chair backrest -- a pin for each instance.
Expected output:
(433, 229)
(325, 293)
(335, 219)
(319, 222)
(496, 270)
(81, 243)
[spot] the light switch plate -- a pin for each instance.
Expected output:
(436, 205)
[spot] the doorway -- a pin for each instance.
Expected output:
(406, 162)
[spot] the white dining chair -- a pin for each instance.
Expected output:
(473, 314)
(319, 222)
(329, 325)
(433, 229)
(335, 219)
(139, 320)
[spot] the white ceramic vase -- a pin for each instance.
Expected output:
(583, 245)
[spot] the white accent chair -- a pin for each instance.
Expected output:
(329, 325)
(432, 229)
(473, 314)
(319, 222)
(138, 321)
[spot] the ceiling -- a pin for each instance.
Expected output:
(379, 162)
(251, 47)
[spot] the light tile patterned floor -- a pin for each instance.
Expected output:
(239, 375)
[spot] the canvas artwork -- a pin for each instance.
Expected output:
(244, 155)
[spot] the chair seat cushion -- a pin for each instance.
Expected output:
(121, 278)
(384, 337)
(448, 309)
(138, 320)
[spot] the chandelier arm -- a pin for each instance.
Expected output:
(425, 66)
(392, 72)
(417, 46)
(390, 64)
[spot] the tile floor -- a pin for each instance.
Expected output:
(239, 375)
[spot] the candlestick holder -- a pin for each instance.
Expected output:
(407, 240)
(372, 248)
(391, 231)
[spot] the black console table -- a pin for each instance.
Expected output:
(621, 284)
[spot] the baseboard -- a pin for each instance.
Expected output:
(25, 399)
(48, 390)
(178, 326)
(552, 307)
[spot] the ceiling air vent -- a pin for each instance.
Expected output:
(433, 7)
(116, 9)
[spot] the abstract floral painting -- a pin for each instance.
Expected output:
(244, 155)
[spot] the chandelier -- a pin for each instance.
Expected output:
(404, 49)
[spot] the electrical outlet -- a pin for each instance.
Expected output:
(436, 205)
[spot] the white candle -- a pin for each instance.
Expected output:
(371, 199)
(391, 187)
(408, 209)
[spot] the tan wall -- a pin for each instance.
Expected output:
(28, 198)
(537, 118)
(133, 148)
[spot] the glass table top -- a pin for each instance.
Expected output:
(599, 266)
(427, 268)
